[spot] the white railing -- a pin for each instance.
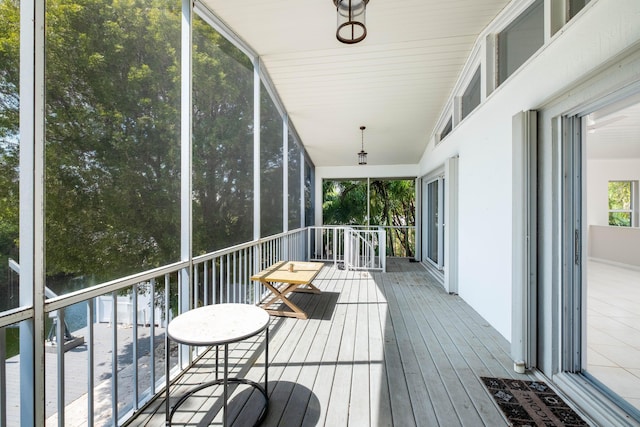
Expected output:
(326, 243)
(363, 249)
(121, 367)
(401, 240)
(358, 248)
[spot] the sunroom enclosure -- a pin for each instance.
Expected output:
(147, 140)
(133, 157)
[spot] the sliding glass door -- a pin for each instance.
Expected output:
(433, 208)
(601, 254)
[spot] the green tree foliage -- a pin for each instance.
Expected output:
(620, 199)
(9, 123)
(222, 142)
(271, 167)
(295, 192)
(113, 136)
(344, 202)
(9, 73)
(392, 205)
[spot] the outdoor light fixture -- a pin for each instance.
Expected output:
(362, 155)
(351, 20)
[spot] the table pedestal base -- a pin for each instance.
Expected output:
(221, 381)
(218, 325)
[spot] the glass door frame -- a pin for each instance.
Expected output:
(574, 246)
(573, 292)
(429, 224)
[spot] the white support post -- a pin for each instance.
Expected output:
(368, 202)
(186, 149)
(3, 375)
(32, 125)
(256, 148)
(451, 225)
(524, 317)
(285, 174)
(303, 213)
(419, 220)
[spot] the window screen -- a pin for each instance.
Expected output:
(521, 39)
(471, 96)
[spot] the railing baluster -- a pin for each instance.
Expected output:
(235, 280)
(244, 275)
(3, 377)
(90, 362)
(272, 251)
(167, 349)
(278, 249)
(152, 336)
(134, 301)
(245, 278)
(221, 278)
(60, 338)
(205, 272)
(228, 279)
(335, 245)
(114, 360)
(196, 286)
(214, 281)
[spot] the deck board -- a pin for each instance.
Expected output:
(441, 409)
(378, 349)
(359, 412)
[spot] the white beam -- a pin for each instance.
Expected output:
(186, 149)
(32, 123)
(285, 173)
(256, 148)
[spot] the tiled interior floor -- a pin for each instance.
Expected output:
(613, 328)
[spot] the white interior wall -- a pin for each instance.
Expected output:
(614, 244)
(604, 30)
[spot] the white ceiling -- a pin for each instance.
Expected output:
(395, 82)
(614, 133)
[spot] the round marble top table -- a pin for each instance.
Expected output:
(219, 325)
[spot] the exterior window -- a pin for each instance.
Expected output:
(575, 6)
(521, 39)
(623, 211)
(447, 129)
(471, 96)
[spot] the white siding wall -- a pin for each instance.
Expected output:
(483, 141)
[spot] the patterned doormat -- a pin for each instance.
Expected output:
(531, 403)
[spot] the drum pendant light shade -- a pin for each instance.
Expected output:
(351, 20)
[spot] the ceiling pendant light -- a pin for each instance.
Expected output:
(362, 155)
(351, 20)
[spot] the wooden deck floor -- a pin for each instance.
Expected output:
(390, 349)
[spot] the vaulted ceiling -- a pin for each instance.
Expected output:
(395, 82)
